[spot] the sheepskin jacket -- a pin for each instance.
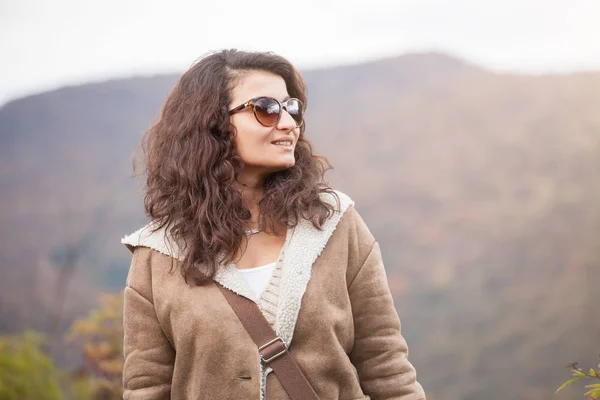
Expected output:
(335, 312)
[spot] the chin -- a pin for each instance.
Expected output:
(284, 165)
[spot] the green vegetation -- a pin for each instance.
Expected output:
(593, 389)
(100, 335)
(28, 373)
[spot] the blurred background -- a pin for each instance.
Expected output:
(467, 132)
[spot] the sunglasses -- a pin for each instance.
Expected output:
(267, 110)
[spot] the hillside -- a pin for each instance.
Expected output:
(483, 190)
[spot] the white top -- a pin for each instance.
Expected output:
(257, 278)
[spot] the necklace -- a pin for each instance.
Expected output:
(253, 231)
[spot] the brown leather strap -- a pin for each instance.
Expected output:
(272, 348)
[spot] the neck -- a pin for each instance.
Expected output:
(251, 188)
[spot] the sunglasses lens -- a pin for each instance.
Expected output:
(266, 110)
(294, 108)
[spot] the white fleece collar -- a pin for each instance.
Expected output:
(303, 245)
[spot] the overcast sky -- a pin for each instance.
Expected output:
(45, 44)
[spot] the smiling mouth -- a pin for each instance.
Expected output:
(283, 143)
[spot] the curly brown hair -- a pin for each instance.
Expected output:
(191, 165)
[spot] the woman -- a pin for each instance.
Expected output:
(237, 198)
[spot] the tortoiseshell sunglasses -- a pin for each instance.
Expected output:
(267, 110)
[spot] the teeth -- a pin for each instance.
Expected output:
(285, 143)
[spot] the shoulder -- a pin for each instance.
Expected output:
(348, 226)
(152, 237)
(338, 199)
(349, 237)
(346, 208)
(343, 209)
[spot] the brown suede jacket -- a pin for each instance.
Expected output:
(185, 342)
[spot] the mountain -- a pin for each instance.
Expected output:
(482, 188)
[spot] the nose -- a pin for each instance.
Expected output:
(286, 122)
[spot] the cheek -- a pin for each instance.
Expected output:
(250, 144)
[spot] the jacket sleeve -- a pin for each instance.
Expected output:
(149, 356)
(380, 352)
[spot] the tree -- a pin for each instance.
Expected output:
(26, 371)
(101, 337)
(578, 373)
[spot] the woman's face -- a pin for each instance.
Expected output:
(255, 143)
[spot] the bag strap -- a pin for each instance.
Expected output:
(272, 349)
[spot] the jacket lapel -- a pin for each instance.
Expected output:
(306, 244)
(159, 241)
(162, 242)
